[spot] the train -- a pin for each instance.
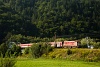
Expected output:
(58, 44)
(65, 44)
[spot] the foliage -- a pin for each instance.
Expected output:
(3, 49)
(15, 50)
(27, 50)
(45, 18)
(27, 39)
(85, 42)
(90, 55)
(37, 50)
(89, 42)
(96, 45)
(7, 62)
(46, 48)
(11, 50)
(57, 53)
(69, 52)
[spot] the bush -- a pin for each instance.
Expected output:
(57, 53)
(37, 50)
(27, 50)
(7, 62)
(3, 49)
(91, 55)
(96, 45)
(46, 48)
(15, 50)
(86, 55)
(86, 41)
(69, 52)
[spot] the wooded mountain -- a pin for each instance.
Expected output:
(44, 18)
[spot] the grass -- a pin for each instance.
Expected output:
(54, 63)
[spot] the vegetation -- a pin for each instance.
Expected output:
(10, 50)
(37, 50)
(54, 63)
(3, 49)
(26, 39)
(86, 42)
(69, 52)
(33, 21)
(8, 54)
(45, 18)
(27, 50)
(90, 55)
(7, 62)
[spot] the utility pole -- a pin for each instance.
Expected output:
(55, 39)
(87, 42)
(55, 36)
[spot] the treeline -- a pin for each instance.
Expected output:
(46, 18)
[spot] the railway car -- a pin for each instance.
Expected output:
(70, 44)
(65, 44)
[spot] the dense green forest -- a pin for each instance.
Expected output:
(45, 18)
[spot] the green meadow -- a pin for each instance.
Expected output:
(54, 63)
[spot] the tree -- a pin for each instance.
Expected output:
(27, 50)
(3, 49)
(85, 42)
(36, 50)
(41, 18)
(7, 62)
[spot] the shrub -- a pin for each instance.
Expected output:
(7, 62)
(86, 41)
(46, 48)
(91, 55)
(3, 49)
(96, 44)
(37, 50)
(26, 50)
(69, 52)
(15, 50)
(57, 53)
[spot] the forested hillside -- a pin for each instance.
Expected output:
(44, 18)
